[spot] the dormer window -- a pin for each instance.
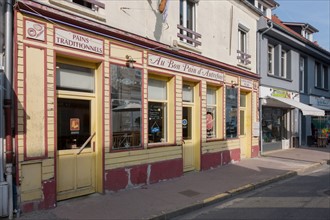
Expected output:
(308, 35)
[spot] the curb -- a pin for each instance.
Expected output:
(233, 192)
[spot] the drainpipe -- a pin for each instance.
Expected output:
(261, 100)
(2, 159)
(8, 100)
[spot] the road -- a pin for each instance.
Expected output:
(304, 197)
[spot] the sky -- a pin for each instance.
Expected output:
(313, 12)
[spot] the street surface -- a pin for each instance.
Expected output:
(305, 197)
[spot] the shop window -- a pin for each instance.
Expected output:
(231, 112)
(321, 127)
(187, 111)
(211, 113)
(157, 110)
(125, 107)
(273, 125)
(187, 93)
(74, 78)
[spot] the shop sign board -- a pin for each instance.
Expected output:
(319, 102)
(34, 30)
(78, 41)
(247, 83)
(170, 64)
(256, 129)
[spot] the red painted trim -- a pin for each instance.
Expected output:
(45, 154)
(110, 111)
(175, 92)
(103, 126)
(81, 33)
(142, 110)
(55, 121)
(127, 47)
(200, 125)
(36, 21)
(15, 84)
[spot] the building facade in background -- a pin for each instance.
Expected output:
(116, 94)
(294, 85)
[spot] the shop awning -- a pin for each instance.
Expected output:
(290, 103)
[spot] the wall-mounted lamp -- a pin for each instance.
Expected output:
(130, 61)
(233, 84)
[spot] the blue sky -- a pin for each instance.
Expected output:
(314, 12)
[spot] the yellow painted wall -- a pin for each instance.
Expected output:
(39, 170)
(35, 104)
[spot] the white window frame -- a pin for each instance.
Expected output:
(270, 54)
(184, 14)
(242, 34)
(283, 72)
(302, 74)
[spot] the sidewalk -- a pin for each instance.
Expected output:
(191, 191)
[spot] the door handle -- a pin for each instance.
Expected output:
(85, 144)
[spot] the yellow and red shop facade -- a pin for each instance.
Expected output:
(88, 122)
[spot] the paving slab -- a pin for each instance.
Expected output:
(191, 191)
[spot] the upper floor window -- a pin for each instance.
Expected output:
(283, 64)
(321, 76)
(270, 59)
(91, 4)
(187, 27)
(242, 51)
(302, 74)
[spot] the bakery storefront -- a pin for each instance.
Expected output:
(96, 114)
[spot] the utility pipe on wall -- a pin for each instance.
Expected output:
(8, 100)
(8, 79)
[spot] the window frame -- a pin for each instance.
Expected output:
(217, 115)
(229, 113)
(301, 74)
(165, 102)
(242, 34)
(271, 62)
(284, 60)
(184, 12)
(170, 108)
(131, 147)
